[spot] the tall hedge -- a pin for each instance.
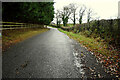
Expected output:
(28, 12)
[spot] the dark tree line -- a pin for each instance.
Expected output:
(28, 12)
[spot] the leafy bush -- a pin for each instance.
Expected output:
(105, 29)
(87, 33)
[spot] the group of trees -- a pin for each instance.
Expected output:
(28, 12)
(70, 12)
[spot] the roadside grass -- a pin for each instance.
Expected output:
(68, 25)
(91, 43)
(108, 56)
(12, 36)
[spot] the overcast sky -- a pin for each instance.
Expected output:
(105, 9)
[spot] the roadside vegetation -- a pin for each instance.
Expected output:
(68, 25)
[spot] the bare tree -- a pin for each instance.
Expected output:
(58, 16)
(73, 8)
(81, 13)
(89, 12)
(65, 14)
(90, 16)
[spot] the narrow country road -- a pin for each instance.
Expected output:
(50, 55)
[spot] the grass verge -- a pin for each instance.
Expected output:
(68, 25)
(12, 36)
(108, 56)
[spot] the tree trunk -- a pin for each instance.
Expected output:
(74, 19)
(80, 20)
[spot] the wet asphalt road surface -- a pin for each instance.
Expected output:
(50, 55)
